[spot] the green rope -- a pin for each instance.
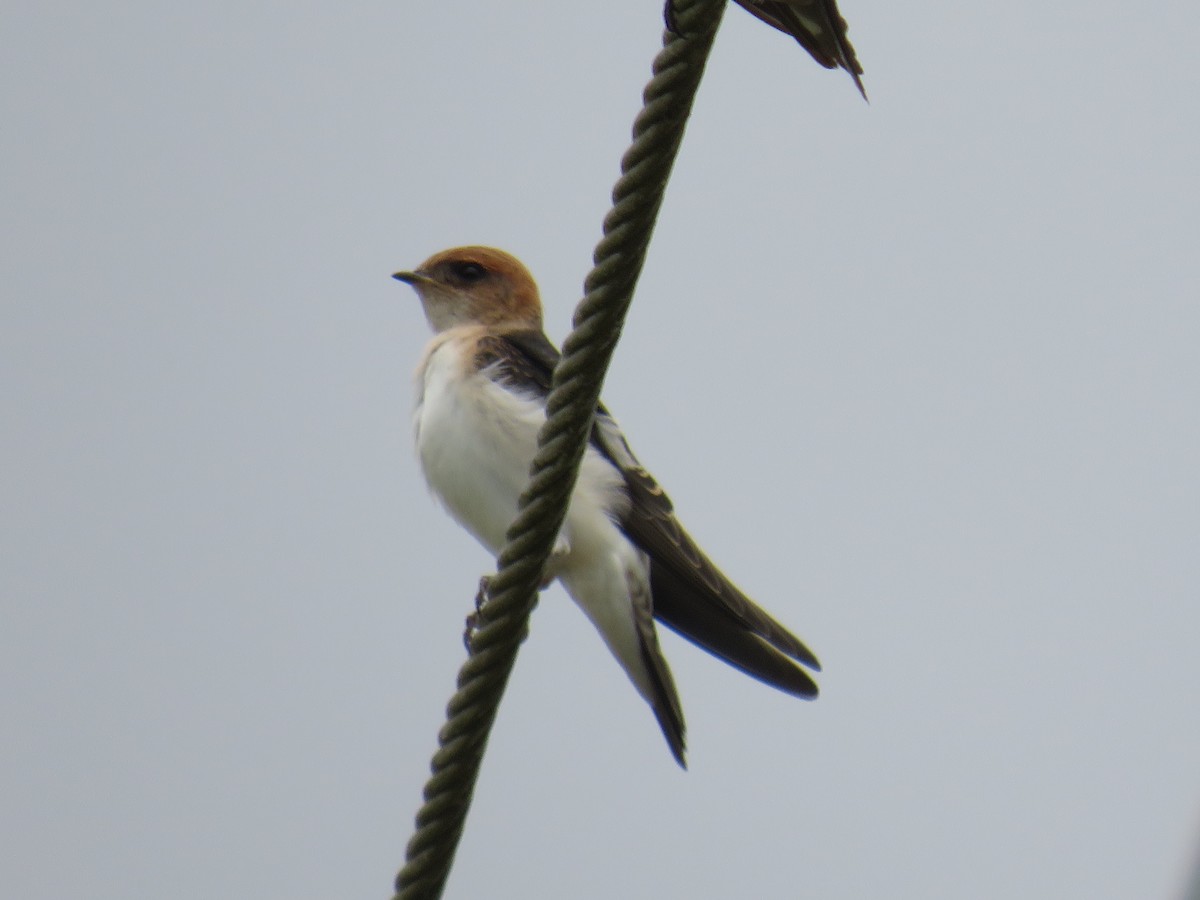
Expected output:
(502, 622)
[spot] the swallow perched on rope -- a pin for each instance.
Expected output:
(621, 554)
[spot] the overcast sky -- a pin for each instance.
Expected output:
(921, 375)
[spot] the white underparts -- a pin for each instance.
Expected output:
(475, 442)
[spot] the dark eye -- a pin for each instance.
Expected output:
(468, 272)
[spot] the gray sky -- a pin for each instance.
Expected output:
(922, 376)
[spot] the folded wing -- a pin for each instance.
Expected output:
(690, 594)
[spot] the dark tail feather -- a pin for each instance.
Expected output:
(666, 706)
(672, 729)
(715, 630)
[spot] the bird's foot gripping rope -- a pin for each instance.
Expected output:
(477, 618)
(474, 620)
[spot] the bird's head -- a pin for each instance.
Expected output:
(475, 286)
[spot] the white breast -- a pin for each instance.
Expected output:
(475, 442)
(476, 439)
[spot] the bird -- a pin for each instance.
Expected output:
(817, 26)
(621, 554)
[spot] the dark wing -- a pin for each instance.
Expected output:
(690, 594)
(816, 25)
(521, 360)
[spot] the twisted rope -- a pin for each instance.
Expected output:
(502, 623)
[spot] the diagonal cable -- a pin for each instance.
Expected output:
(512, 593)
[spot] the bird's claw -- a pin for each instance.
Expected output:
(473, 621)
